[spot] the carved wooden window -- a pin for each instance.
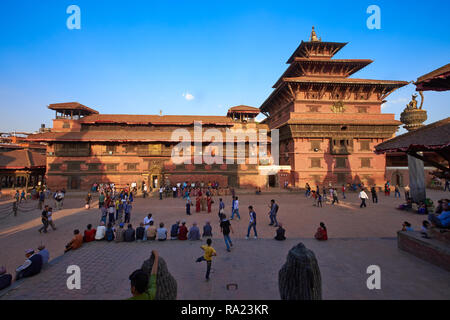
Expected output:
(315, 145)
(93, 166)
(55, 167)
(315, 163)
(364, 145)
(130, 148)
(131, 166)
(110, 149)
(365, 162)
(73, 166)
(66, 125)
(341, 163)
(111, 166)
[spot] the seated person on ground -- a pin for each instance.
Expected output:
(207, 230)
(89, 234)
(406, 206)
(194, 232)
(182, 231)
(120, 233)
(280, 233)
(174, 231)
(406, 226)
(442, 220)
(31, 266)
(151, 231)
(44, 253)
(321, 233)
(422, 209)
(143, 287)
(76, 241)
(101, 230)
(140, 232)
(5, 278)
(161, 232)
(109, 233)
(130, 234)
(425, 228)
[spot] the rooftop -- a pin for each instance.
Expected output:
(22, 159)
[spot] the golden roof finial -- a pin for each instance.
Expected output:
(313, 36)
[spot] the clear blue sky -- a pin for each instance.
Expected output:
(139, 57)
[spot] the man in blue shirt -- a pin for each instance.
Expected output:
(442, 220)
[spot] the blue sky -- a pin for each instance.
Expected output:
(140, 57)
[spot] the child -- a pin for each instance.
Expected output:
(209, 253)
(424, 230)
(407, 226)
(319, 200)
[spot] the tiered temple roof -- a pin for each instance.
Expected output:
(311, 67)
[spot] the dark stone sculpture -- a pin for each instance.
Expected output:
(299, 278)
(166, 285)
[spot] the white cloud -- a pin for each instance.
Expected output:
(398, 101)
(188, 96)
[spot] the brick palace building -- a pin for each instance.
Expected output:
(85, 147)
(329, 123)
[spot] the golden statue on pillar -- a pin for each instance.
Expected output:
(413, 116)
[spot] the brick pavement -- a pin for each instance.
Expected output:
(359, 237)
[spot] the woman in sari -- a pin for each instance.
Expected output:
(197, 204)
(209, 202)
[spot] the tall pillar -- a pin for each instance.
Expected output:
(416, 179)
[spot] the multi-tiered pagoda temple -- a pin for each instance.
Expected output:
(329, 123)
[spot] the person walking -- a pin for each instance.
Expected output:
(319, 200)
(225, 227)
(252, 223)
(373, 190)
(221, 208)
(273, 214)
(44, 220)
(363, 196)
(447, 185)
(161, 190)
(50, 219)
(397, 191)
(335, 196)
(209, 252)
(235, 209)
(343, 192)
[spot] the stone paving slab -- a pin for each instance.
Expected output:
(253, 265)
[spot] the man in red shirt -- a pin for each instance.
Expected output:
(89, 234)
(182, 231)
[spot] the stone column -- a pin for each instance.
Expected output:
(416, 179)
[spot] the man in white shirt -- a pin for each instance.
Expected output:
(50, 219)
(101, 230)
(161, 190)
(363, 196)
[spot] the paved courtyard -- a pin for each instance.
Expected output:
(358, 238)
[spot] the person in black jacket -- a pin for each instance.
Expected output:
(31, 266)
(129, 235)
(280, 233)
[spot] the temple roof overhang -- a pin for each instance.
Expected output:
(387, 86)
(175, 120)
(124, 136)
(308, 49)
(243, 109)
(432, 137)
(347, 66)
(437, 80)
(22, 159)
(67, 107)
